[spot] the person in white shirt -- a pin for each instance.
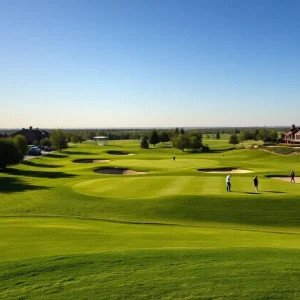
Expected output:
(228, 183)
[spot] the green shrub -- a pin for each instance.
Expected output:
(9, 153)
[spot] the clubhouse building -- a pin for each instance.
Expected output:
(32, 135)
(291, 135)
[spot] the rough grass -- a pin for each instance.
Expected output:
(173, 233)
(282, 150)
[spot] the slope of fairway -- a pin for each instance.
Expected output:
(173, 233)
(206, 274)
(34, 237)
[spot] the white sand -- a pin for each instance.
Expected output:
(233, 171)
(89, 161)
(117, 171)
(287, 179)
(131, 172)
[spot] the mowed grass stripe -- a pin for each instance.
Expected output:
(175, 186)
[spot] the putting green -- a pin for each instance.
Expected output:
(160, 186)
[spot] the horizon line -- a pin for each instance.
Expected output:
(148, 127)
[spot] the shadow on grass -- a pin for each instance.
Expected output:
(117, 152)
(262, 209)
(34, 164)
(209, 151)
(260, 192)
(252, 193)
(11, 185)
(275, 192)
(42, 174)
(278, 175)
(52, 155)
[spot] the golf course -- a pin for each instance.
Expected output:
(121, 222)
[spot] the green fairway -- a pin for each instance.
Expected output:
(171, 233)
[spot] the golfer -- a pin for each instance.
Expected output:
(255, 181)
(293, 177)
(174, 158)
(228, 183)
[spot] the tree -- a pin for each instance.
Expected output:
(272, 136)
(80, 137)
(154, 138)
(69, 136)
(256, 134)
(45, 142)
(164, 137)
(181, 142)
(91, 135)
(242, 137)
(182, 131)
(59, 140)
(9, 153)
(144, 143)
(22, 146)
(195, 140)
(218, 135)
(233, 139)
(262, 133)
(205, 148)
(75, 138)
(176, 132)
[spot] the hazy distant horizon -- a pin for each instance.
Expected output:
(141, 128)
(107, 63)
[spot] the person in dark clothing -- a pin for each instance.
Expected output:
(293, 177)
(255, 181)
(174, 158)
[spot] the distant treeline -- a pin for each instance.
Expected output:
(137, 134)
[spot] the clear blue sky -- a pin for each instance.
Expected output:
(149, 63)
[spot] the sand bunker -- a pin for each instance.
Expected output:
(225, 170)
(131, 172)
(118, 171)
(287, 179)
(90, 161)
(116, 152)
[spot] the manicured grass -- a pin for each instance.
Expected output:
(178, 274)
(50, 236)
(173, 233)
